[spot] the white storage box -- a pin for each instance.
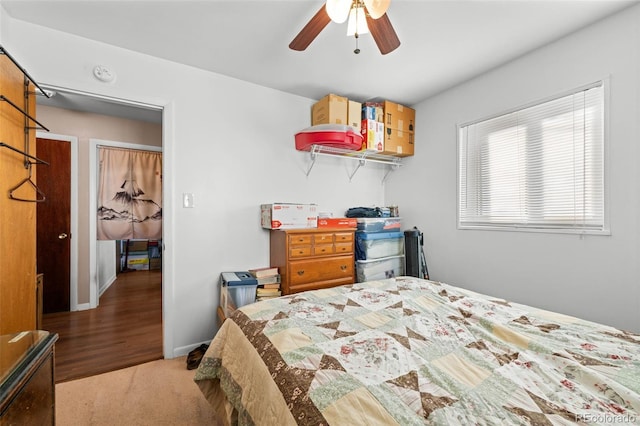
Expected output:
(138, 262)
(288, 216)
(379, 224)
(374, 245)
(379, 269)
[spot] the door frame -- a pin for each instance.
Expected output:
(94, 290)
(168, 275)
(73, 267)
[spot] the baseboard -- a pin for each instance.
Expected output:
(106, 286)
(83, 307)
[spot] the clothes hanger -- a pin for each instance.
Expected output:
(28, 180)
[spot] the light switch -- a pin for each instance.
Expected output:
(187, 200)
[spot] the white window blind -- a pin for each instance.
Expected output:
(539, 167)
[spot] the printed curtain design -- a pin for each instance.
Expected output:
(129, 194)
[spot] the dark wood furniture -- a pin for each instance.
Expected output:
(314, 258)
(27, 389)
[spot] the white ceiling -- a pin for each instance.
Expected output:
(443, 42)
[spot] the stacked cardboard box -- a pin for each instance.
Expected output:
(137, 254)
(397, 123)
(155, 254)
(335, 109)
(140, 255)
(386, 127)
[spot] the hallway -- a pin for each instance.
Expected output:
(124, 330)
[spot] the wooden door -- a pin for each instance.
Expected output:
(54, 224)
(17, 218)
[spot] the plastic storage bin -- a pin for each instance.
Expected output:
(374, 245)
(233, 297)
(379, 269)
(379, 224)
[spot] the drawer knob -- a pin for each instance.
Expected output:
(343, 268)
(301, 272)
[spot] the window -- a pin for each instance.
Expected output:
(536, 168)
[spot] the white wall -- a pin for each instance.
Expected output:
(594, 277)
(106, 264)
(228, 142)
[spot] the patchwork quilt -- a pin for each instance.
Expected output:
(408, 351)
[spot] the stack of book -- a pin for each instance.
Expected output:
(268, 282)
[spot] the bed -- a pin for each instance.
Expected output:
(409, 351)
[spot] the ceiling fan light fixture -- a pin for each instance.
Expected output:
(338, 10)
(377, 8)
(357, 22)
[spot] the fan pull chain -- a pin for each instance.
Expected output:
(356, 4)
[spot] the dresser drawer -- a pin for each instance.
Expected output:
(343, 248)
(298, 239)
(322, 249)
(325, 238)
(321, 269)
(300, 251)
(343, 237)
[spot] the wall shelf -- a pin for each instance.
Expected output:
(362, 157)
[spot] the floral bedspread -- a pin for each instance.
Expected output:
(409, 351)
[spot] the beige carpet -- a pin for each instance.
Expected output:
(156, 393)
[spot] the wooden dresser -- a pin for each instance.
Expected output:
(314, 258)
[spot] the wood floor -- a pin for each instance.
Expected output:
(124, 330)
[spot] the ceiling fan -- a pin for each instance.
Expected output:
(364, 16)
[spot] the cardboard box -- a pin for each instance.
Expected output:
(373, 136)
(332, 109)
(337, 222)
(155, 263)
(138, 245)
(399, 117)
(288, 216)
(354, 113)
(398, 143)
(373, 111)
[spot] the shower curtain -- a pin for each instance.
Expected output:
(129, 194)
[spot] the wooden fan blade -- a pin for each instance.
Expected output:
(383, 33)
(311, 30)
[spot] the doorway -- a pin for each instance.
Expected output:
(104, 263)
(81, 296)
